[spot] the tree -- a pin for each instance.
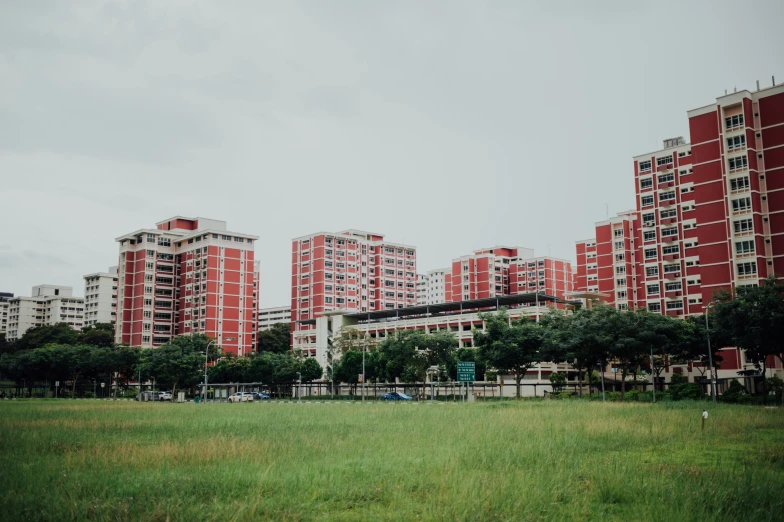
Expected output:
(98, 334)
(276, 339)
(180, 362)
(40, 336)
(6, 346)
(661, 335)
(753, 320)
(558, 382)
(348, 368)
(627, 347)
(397, 357)
(509, 346)
(231, 369)
(692, 344)
(311, 370)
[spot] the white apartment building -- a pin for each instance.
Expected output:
(267, 317)
(100, 297)
(48, 305)
(4, 298)
(431, 287)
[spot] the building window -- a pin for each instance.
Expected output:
(653, 289)
(744, 247)
(619, 245)
(736, 142)
(620, 269)
(675, 305)
(663, 161)
(739, 183)
(743, 225)
(672, 231)
(654, 307)
(649, 236)
(670, 269)
(648, 220)
(741, 162)
(741, 205)
(672, 287)
(747, 269)
(652, 271)
(646, 201)
(645, 165)
(670, 250)
(646, 183)
(622, 294)
(664, 196)
(669, 213)
(650, 253)
(620, 282)
(734, 122)
(618, 232)
(664, 178)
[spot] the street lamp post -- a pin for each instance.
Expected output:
(206, 354)
(710, 353)
(299, 387)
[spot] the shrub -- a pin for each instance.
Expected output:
(681, 389)
(564, 395)
(632, 395)
(613, 396)
(735, 393)
(87, 395)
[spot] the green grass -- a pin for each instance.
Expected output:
(534, 460)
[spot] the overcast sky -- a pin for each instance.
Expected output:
(450, 126)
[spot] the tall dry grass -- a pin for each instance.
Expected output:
(570, 460)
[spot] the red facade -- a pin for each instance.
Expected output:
(179, 279)
(507, 271)
(351, 270)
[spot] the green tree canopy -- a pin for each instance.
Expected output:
(509, 346)
(276, 339)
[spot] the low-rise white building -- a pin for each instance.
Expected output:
(5, 297)
(267, 317)
(100, 297)
(48, 305)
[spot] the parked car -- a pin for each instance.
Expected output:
(396, 396)
(259, 396)
(241, 397)
(154, 396)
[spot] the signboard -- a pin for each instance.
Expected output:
(361, 378)
(57, 383)
(103, 385)
(466, 371)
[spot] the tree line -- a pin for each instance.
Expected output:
(632, 341)
(45, 355)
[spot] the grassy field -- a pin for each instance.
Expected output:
(569, 460)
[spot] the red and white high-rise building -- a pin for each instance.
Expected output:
(606, 264)
(503, 270)
(352, 271)
(187, 275)
(709, 216)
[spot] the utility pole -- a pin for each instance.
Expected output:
(710, 353)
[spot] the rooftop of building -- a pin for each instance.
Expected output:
(451, 308)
